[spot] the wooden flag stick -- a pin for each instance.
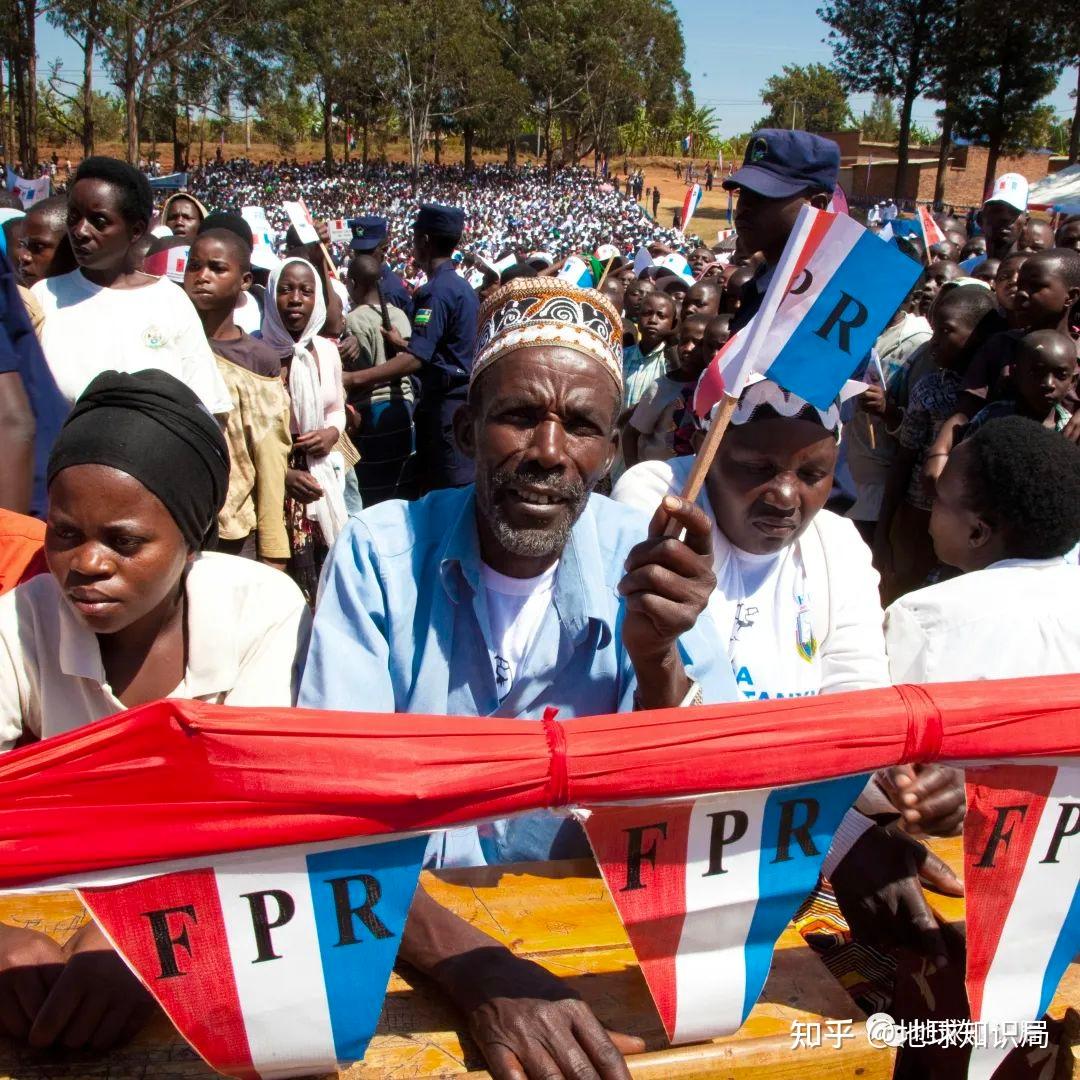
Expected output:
(603, 276)
(704, 458)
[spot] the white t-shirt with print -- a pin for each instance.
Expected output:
(516, 608)
(89, 329)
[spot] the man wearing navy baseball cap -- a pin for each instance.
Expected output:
(371, 236)
(782, 170)
(440, 351)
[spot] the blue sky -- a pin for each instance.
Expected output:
(729, 57)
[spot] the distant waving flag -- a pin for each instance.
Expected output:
(690, 204)
(28, 191)
(704, 888)
(931, 230)
(270, 963)
(833, 291)
(1022, 883)
(687, 143)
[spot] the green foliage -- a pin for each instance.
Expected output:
(811, 98)
(879, 124)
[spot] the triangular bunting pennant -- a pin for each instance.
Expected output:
(1021, 875)
(270, 963)
(706, 886)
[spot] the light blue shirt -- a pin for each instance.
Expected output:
(402, 622)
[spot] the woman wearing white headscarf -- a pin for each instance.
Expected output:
(315, 502)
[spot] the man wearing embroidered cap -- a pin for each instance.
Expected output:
(440, 349)
(521, 593)
(781, 171)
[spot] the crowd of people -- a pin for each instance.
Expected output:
(436, 470)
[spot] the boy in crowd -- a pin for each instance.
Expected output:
(936, 275)
(702, 299)
(1004, 285)
(734, 287)
(902, 549)
(252, 521)
(1068, 234)
(633, 298)
(645, 362)
(1007, 510)
(657, 428)
(1042, 378)
(383, 400)
(44, 249)
(716, 334)
(1047, 287)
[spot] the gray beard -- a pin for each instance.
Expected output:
(531, 543)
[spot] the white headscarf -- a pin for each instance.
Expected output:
(306, 393)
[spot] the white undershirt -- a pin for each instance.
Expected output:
(773, 649)
(516, 608)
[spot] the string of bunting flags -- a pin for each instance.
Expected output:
(263, 905)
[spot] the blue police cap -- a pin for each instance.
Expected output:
(440, 220)
(368, 233)
(779, 164)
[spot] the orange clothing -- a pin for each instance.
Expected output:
(22, 554)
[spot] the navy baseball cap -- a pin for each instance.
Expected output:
(440, 220)
(368, 233)
(779, 164)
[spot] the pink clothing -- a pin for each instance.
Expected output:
(331, 390)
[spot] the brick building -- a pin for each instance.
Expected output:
(868, 170)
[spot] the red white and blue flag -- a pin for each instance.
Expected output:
(832, 293)
(691, 201)
(687, 143)
(706, 886)
(29, 191)
(931, 230)
(270, 963)
(1022, 886)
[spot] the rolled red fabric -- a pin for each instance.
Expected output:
(177, 779)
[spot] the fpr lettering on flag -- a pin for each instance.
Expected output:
(1022, 884)
(270, 963)
(832, 293)
(705, 887)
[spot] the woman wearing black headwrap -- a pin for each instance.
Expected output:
(134, 609)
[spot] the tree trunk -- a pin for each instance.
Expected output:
(28, 62)
(903, 135)
(437, 146)
(131, 108)
(511, 154)
(1074, 132)
(467, 137)
(991, 163)
(364, 145)
(348, 131)
(328, 130)
(549, 166)
(88, 83)
(943, 154)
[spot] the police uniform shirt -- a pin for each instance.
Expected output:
(445, 312)
(394, 291)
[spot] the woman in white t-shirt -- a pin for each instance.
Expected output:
(798, 598)
(109, 316)
(133, 610)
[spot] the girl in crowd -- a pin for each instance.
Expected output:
(107, 315)
(133, 609)
(315, 483)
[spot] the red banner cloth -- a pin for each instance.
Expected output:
(177, 779)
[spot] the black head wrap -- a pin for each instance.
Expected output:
(154, 428)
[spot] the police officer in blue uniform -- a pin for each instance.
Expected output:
(445, 311)
(371, 237)
(782, 170)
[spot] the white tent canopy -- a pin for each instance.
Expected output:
(1059, 192)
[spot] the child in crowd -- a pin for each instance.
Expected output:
(935, 275)
(645, 362)
(733, 289)
(379, 391)
(717, 334)
(1047, 287)
(987, 271)
(1068, 234)
(633, 298)
(1007, 510)
(1004, 285)
(658, 428)
(902, 549)
(1042, 378)
(702, 299)
(252, 521)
